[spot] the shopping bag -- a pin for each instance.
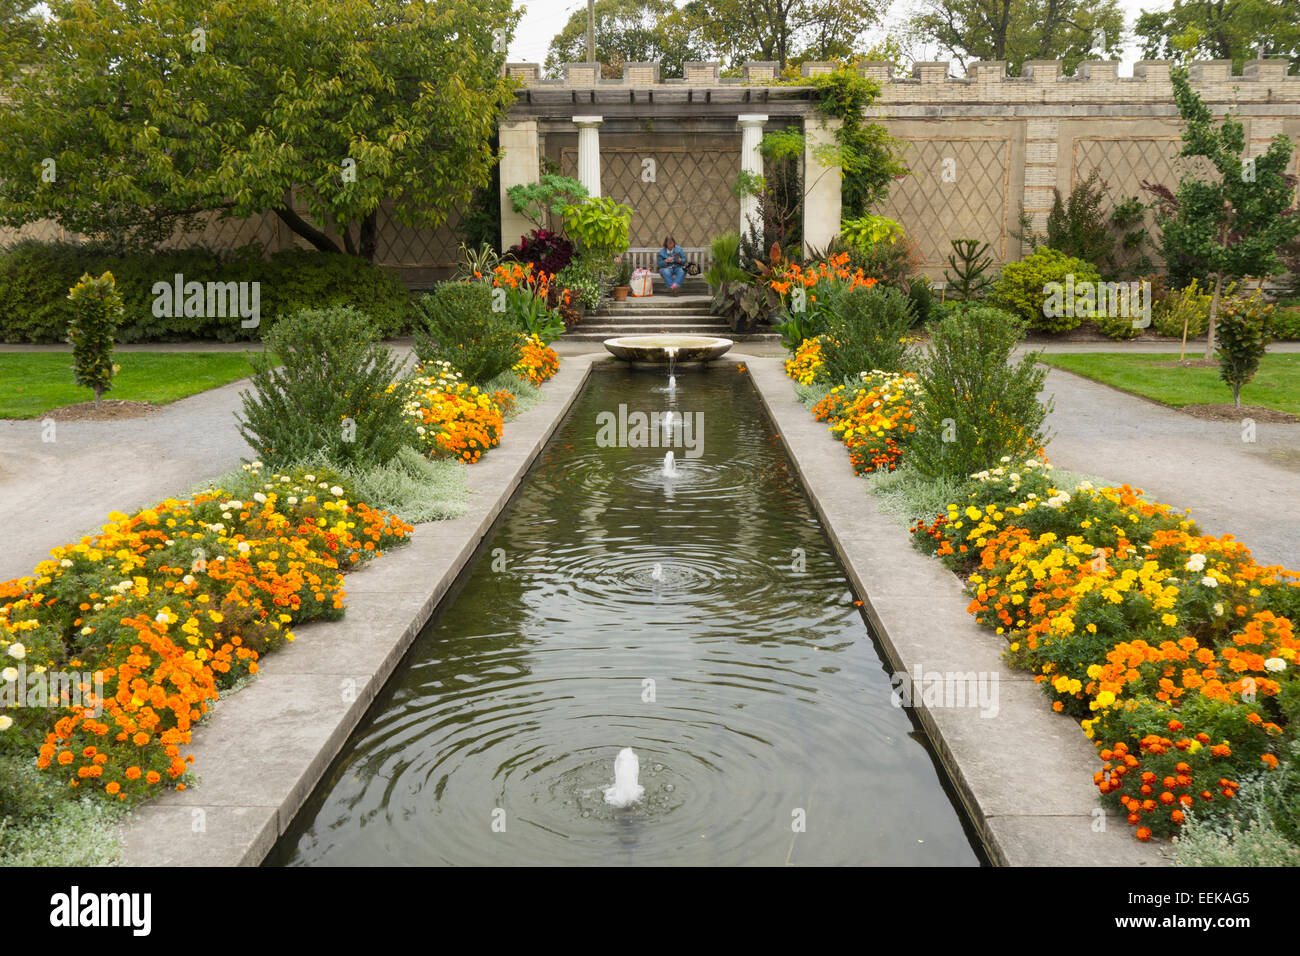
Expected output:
(641, 283)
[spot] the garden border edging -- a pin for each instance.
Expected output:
(266, 747)
(1023, 774)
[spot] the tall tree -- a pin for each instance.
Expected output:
(1235, 30)
(782, 30)
(140, 116)
(628, 31)
(1230, 224)
(1020, 30)
(20, 28)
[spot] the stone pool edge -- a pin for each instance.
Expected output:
(1022, 775)
(265, 748)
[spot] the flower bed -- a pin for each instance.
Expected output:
(453, 418)
(1174, 648)
(538, 363)
(163, 610)
(872, 420)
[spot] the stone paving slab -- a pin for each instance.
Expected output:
(264, 748)
(1023, 772)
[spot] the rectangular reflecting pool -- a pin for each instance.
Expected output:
(701, 618)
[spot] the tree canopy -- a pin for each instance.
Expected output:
(731, 31)
(1020, 30)
(628, 31)
(138, 117)
(1233, 30)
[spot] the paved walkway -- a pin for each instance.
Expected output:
(53, 493)
(1230, 487)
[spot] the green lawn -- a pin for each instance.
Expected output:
(32, 383)
(1276, 384)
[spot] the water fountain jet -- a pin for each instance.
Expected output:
(670, 466)
(626, 791)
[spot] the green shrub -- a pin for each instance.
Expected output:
(1243, 331)
(1186, 305)
(1023, 288)
(975, 407)
(726, 261)
(889, 261)
(1118, 327)
(865, 329)
(1286, 323)
(35, 276)
(331, 393)
(460, 327)
(921, 294)
(96, 311)
(582, 282)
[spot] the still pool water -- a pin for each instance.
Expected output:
(743, 675)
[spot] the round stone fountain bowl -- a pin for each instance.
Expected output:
(650, 351)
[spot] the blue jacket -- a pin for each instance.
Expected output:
(677, 257)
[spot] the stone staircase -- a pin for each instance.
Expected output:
(685, 314)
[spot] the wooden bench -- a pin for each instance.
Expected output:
(643, 257)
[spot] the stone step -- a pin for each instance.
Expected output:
(656, 304)
(607, 332)
(591, 334)
(650, 319)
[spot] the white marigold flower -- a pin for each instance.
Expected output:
(9, 673)
(162, 617)
(1209, 582)
(336, 491)
(1275, 664)
(1218, 609)
(293, 501)
(188, 579)
(308, 477)
(65, 563)
(6, 721)
(1005, 458)
(1196, 562)
(260, 498)
(243, 547)
(17, 651)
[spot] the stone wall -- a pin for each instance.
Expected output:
(981, 148)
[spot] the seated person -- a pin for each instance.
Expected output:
(672, 265)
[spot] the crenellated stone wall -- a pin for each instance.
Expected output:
(981, 148)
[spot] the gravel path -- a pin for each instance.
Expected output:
(53, 493)
(1250, 490)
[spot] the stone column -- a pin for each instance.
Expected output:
(520, 163)
(589, 151)
(751, 161)
(822, 183)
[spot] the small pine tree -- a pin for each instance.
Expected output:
(970, 262)
(97, 309)
(1244, 331)
(1231, 225)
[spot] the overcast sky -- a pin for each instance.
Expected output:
(544, 18)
